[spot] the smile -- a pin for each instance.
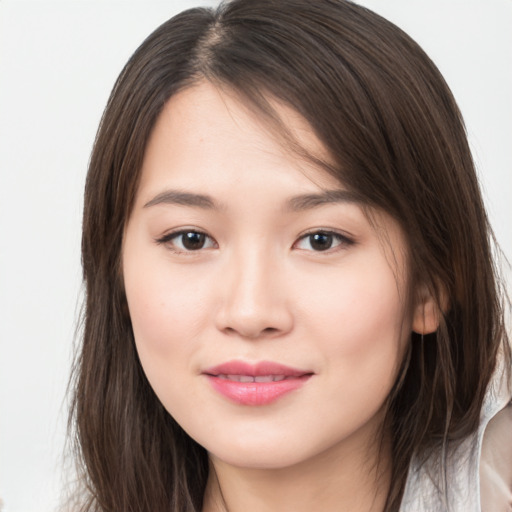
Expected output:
(250, 378)
(259, 384)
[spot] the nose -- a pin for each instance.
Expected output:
(254, 302)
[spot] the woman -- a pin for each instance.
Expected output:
(283, 241)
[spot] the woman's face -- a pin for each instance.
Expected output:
(269, 313)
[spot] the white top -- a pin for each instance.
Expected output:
(478, 474)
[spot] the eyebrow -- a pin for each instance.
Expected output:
(294, 204)
(184, 199)
(310, 201)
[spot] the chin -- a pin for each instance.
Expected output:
(270, 450)
(268, 458)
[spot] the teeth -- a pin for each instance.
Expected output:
(264, 378)
(241, 378)
(250, 378)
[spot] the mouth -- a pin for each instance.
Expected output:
(259, 384)
(250, 378)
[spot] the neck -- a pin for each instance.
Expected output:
(352, 480)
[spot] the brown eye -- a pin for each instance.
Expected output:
(187, 241)
(319, 241)
(192, 240)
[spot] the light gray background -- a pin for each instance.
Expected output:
(58, 62)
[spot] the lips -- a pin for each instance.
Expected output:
(258, 384)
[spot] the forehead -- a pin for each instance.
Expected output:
(211, 134)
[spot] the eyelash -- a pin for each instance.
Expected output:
(168, 238)
(343, 240)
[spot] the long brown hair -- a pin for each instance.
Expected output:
(397, 139)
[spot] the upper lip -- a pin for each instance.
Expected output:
(259, 369)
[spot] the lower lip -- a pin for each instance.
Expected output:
(256, 393)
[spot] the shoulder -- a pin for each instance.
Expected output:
(474, 476)
(496, 463)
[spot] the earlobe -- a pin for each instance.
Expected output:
(427, 313)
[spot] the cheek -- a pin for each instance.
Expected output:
(165, 324)
(152, 310)
(362, 321)
(159, 295)
(167, 310)
(361, 330)
(161, 316)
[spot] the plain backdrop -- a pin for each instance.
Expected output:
(58, 62)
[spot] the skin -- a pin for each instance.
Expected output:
(258, 289)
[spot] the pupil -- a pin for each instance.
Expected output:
(193, 241)
(321, 241)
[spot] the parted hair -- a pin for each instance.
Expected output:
(395, 137)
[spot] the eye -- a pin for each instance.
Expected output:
(322, 241)
(187, 241)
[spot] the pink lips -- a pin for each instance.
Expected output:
(259, 384)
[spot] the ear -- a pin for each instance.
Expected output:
(427, 313)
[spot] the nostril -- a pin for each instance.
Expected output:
(253, 320)
(252, 333)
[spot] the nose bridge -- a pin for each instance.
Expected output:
(254, 300)
(252, 279)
